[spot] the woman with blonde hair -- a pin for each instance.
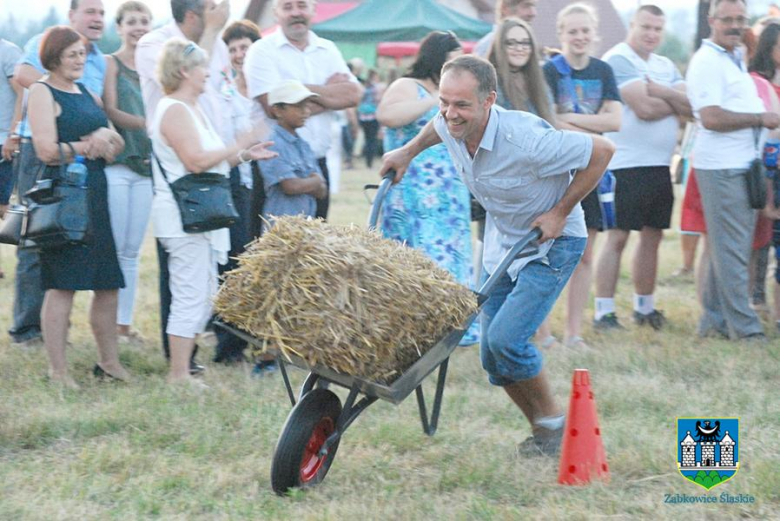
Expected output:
(586, 100)
(184, 141)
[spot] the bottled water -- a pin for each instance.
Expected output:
(76, 173)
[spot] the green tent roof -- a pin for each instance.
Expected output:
(376, 21)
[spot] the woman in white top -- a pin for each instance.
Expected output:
(184, 141)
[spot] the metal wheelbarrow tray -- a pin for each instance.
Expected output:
(311, 435)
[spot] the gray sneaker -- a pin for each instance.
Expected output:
(546, 443)
(607, 322)
(654, 319)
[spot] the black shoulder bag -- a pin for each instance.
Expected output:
(204, 200)
(58, 214)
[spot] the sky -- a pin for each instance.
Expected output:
(35, 9)
(27, 9)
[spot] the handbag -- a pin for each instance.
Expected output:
(12, 224)
(204, 200)
(756, 179)
(58, 214)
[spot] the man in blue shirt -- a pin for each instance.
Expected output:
(519, 168)
(87, 18)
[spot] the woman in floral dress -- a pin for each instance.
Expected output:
(429, 209)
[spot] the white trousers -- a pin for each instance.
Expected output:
(129, 205)
(193, 282)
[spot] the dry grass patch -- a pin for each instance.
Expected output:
(144, 451)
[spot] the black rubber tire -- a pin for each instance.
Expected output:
(317, 407)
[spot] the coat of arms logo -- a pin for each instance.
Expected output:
(708, 450)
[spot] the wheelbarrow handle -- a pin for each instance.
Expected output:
(525, 247)
(379, 198)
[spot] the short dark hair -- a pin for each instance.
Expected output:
(478, 67)
(432, 55)
(179, 8)
(54, 42)
(652, 9)
(239, 30)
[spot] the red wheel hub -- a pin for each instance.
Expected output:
(312, 462)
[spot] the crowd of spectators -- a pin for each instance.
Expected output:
(201, 95)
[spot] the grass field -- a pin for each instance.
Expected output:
(146, 451)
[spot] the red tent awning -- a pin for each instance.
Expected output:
(322, 13)
(403, 49)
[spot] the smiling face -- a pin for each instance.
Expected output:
(133, 26)
(88, 19)
(197, 77)
(465, 114)
(576, 34)
(294, 17)
(728, 23)
(518, 46)
(646, 32)
(237, 49)
(72, 61)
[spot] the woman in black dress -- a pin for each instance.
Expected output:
(62, 111)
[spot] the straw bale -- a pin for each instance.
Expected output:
(342, 297)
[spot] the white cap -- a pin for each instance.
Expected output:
(290, 92)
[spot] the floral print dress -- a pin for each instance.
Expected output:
(430, 209)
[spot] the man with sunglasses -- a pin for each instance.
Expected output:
(730, 118)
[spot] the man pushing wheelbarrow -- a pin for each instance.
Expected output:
(526, 175)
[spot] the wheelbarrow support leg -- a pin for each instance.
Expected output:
(429, 427)
(349, 413)
(283, 369)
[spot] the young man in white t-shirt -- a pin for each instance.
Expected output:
(653, 92)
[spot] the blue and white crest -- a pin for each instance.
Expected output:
(708, 449)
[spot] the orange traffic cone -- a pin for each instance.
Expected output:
(582, 452)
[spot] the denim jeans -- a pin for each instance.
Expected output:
(28, 293)
(515, 310)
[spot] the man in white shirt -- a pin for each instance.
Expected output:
(729, 116)
(295, 52)
(653, 92)
(199, 21)
(523, 9)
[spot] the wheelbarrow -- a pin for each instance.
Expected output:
(311, 435)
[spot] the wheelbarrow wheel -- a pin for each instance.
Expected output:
(297, 462)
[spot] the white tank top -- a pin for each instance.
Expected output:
(166, 219)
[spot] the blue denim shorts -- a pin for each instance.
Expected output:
(515, 310)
